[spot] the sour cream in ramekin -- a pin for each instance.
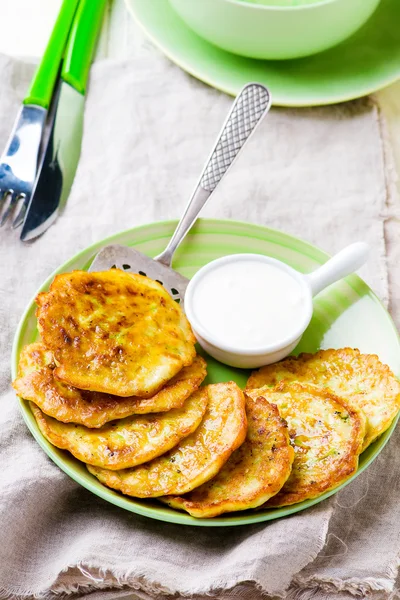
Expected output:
(249, 310)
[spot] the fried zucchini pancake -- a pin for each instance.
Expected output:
(114, 332)
(196, 459)
(36, 383)
(326, 434)
(127, 442)
(255, 471)
(361, 379)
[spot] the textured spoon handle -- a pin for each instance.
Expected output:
(249, 108)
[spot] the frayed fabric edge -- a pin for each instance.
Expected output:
(93, 578)
(385, 195)
(306, 589)
(392, 209)
(97, 579)
(391, 176)
(320, 593)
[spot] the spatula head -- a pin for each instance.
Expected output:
(128, 259)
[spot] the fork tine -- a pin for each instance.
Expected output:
(7, 207)
(3, 202)
(19, 163)
(20, 216)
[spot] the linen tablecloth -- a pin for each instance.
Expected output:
(318, 173)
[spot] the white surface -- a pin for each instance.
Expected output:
(26, 25)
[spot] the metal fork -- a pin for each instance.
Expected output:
(20, 160)
(18, 164)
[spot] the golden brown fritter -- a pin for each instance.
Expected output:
(361, 379)
(255, 471)
(65, 403)
(326, 434)
(196, 459)
(114, 332)
(127, 442)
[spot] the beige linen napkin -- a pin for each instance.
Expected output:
(315, 173)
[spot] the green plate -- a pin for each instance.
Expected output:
(365, 63)
(346, 314)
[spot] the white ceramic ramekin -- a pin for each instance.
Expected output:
(341, 265)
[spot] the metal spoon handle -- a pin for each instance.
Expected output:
(250, 106)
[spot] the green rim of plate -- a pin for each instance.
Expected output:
(347, 313)
(364, 63)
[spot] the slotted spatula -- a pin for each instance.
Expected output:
(250, 106)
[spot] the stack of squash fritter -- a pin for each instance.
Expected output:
(326, 407)
(115, 380)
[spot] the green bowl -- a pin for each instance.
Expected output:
(282, 30)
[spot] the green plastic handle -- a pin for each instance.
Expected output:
(82, 42)
(42, 86)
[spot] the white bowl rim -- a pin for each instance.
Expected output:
(250, 5)
(257, 351)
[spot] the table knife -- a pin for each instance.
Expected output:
(62, 148)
